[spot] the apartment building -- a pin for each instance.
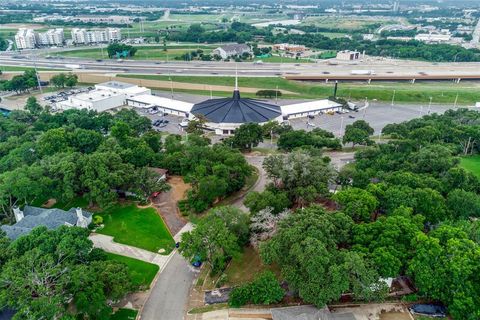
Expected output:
(30, 39)
(84, 36)
(25, 39)
(53, 37)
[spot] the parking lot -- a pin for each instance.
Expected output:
(172, 126)
(53, 98)
(377, 115)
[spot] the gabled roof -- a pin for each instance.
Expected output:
(236, 110)
(34, 217)
(236, 47)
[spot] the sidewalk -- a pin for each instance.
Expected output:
(106, 243)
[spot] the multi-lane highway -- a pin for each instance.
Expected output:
(374, 69)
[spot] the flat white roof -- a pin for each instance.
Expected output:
(309, 106)
(95, 95)
(116, 85)
(151, 100)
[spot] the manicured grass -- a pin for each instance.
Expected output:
(124, 314)
(471, 164)
(142, 272)
(441, 92)
(141, 228)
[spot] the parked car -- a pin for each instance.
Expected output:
(153, 111)
(311, 116)
(351, 117)
(431, 310)
(197, 262)
(155, 194)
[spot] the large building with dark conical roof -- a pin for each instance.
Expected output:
(224, 115)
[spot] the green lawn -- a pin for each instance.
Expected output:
(19, 68)
(444, 93)
(141, 228)
(471, 164)
(124, 314)
(278, 59)
(143, 52)
(142, 272)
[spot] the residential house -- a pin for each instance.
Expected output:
(231, 50)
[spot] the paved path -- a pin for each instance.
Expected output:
(106, 243)
(259, 186)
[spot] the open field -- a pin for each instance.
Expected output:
(345, 22)
(15, 68)
(441, 92)
(142, 272)
(143, 52)
(141, 228)
(471, 164)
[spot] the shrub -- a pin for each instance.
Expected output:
(265, 289)
(97, 220)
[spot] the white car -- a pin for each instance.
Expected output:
(184, 122)
(153, 111)
(309, 124)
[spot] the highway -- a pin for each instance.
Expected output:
(381, 69)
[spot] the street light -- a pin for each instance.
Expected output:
(430, 105)
(341, 124)
(393, 97)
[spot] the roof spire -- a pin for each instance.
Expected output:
(236, 77)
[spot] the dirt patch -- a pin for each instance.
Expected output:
(179, 187)
(166, 204)
(395, 316)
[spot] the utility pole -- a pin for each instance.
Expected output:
(393, 97)
(276, 94)
(341, 125)
(430, 105)
(456, 100)
(38, 78)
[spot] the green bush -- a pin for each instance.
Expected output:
(97, 220)
(265, 289)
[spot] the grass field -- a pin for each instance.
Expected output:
(143, 52)
(471, 164)
(124, 314)
(141, 228)
(441, 92)
(15, 68)
(142, 272)
(278, 59)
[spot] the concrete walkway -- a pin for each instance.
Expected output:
(106, 243)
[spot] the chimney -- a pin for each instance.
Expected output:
(18, 214)
(79, 213)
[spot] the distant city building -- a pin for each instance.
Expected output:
(231, 50)
(433, 37)
(84, 36)
(29, 39)
(348, 55)
(25, 39)
(31, 217)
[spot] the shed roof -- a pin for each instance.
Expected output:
(309, 106)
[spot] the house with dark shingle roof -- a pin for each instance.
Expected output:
(308, 313)
(31, 217)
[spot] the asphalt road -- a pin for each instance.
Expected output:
(169, 296)
(259, 186)
(381, 67)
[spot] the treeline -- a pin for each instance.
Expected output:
(99, 155)
(21, 82)
(241, 32)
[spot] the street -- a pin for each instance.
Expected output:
(169, 294)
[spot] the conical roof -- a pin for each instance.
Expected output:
(236, 110)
